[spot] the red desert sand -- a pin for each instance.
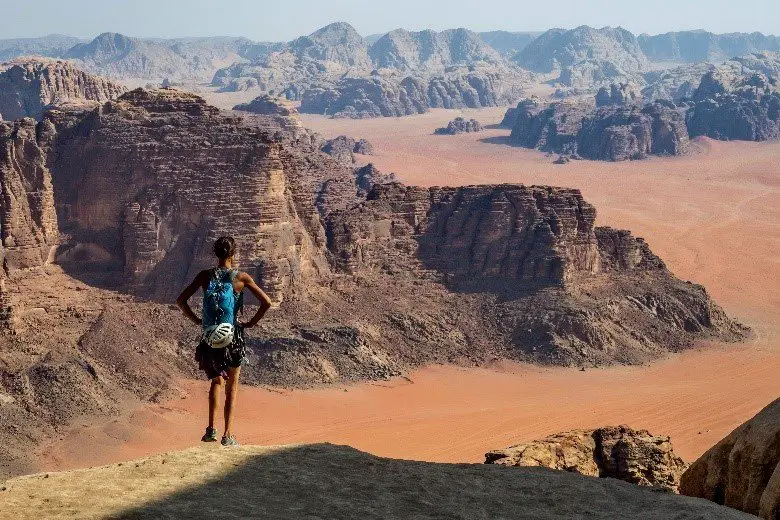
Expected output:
(713, 216)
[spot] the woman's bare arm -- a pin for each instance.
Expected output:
(265, 301)
(183, 300)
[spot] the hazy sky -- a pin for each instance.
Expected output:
(286, 19)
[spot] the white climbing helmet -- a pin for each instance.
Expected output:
(220, 336)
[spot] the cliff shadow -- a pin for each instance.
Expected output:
(339, 482)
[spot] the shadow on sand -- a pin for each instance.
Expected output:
(323, 481)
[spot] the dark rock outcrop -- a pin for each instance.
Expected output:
(459, 125)
(619, 133)
(746, 108)
(550, 127)
(344, 148)
(31, 86)
(614, 132)
(743, 470)
(268, 106)
(619, 452)
(616, 94)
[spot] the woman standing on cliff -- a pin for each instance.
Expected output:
(222, 350)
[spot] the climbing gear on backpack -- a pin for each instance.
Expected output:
(220, 336)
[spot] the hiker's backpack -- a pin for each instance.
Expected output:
(220, 303)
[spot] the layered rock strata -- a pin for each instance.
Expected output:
(28, 228)
(29, 87)
(619, 452)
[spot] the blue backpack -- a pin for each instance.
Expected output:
(220, 303)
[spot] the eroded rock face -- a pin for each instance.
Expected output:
(747, 108)
(30, 87)
(612, 132)
(388, 97)
(584, 57)
(557, 276)
(617, 94)
(459, 125)
(153, 178)
(28, 227)
(619, 452)
(743, 470)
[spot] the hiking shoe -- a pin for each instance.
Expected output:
(210, 435)
(230, 441)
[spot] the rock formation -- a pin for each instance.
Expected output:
(344, 148)
(675, 84)
(508, 240)
(378, 96)
(619, 452)
(746, 108)
(631, 132)
(334, 71)
(189, 59)
(175, 166)
(459, 126)
(53, 46)
(703, 46)
(28, 225)
(508, 44)
(268, 106)
(430, 52)
(613, 132)
(408, 275)
(617, 94)
(743, 470)
(31, 86)
(584, 57)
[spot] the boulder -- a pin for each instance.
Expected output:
(459, 125)
(618, 452)
(743, 470)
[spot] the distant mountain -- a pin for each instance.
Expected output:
(508, 43)
(193, 59)
(54, 46)
(698, 46)
(585, 57)
(430, 51)
(338, 43)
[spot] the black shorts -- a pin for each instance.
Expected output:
(215, 361)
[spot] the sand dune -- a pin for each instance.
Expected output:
(713, 216)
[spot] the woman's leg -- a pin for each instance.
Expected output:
(231, 393)
(216, 385)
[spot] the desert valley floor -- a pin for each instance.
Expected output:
(713, 216)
